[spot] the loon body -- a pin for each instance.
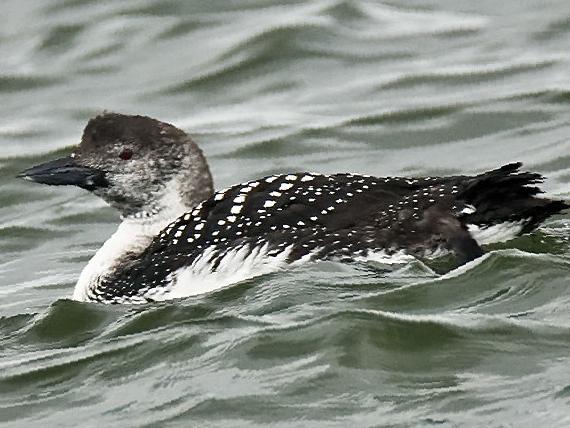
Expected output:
(179, 238)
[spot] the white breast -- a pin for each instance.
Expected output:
(131, 237)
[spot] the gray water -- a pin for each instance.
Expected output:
(386, 88)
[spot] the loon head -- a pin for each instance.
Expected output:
(137, 164)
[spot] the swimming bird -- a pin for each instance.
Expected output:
(178, 237)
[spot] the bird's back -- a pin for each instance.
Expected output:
(263, 225)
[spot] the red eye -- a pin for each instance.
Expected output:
(126, 154)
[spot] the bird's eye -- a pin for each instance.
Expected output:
(126, 154)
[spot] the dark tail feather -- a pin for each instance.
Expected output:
(505, 194)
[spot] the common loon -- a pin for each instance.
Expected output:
(179, 238)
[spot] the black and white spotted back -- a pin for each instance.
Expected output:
(154, 173)
(311, 216)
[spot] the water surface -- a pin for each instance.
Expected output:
(385, 88)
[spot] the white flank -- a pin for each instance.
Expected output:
(381, 256)
(236, 265)
(497, 233)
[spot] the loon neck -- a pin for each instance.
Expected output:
(131, 238)
(164, 211)
(178, 196)
(139, 227)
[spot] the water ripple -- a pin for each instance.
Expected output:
(383, 88)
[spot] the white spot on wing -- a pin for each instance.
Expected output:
(285, 186)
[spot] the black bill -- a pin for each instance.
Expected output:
(65, 171)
